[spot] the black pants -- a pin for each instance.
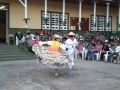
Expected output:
(30, 49)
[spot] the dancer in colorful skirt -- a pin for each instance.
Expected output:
(52, 53)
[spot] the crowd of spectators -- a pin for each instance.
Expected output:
(100, 46)
(90, 47)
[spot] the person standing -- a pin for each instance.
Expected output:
(18, 38)
(71, 44)
(30, 43)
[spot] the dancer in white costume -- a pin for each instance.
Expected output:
(71, 44)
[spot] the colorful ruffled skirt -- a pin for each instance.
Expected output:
(51, 58)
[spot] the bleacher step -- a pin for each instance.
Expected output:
(12, 52)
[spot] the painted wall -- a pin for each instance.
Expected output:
(35, 7)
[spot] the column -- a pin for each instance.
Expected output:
(80, 10)
(45, 18)
(107, 18)
(108, 4)
(45, 8)
(119, 18)
(63, 21)
(94, 18)
(26, 16)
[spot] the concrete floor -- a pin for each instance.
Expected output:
(86, 75)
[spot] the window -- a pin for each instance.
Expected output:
(94, 26)
(46, 25)
(64, 25)
(101, 24)
(54, 21)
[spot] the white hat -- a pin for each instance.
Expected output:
(71, 33)
(106, 41)
(57, 36)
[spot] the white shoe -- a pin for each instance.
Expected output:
(72, 63)
(70, 66)
(56, 74)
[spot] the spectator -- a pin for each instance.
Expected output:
(30, 43)
(80, 46)
(65, 36)
(90, 53)
(104, 49)
(115, 53)
(18, 37)
(98, 47)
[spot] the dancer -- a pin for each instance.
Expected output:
(52, 53)
(71, 44)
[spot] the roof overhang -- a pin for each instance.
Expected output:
(114, 3)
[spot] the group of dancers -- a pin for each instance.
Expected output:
(56, 53)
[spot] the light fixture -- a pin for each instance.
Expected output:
(2, 7)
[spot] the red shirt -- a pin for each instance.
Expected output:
(36, 41)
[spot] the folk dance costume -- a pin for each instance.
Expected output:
(71, 44)
(52, 53)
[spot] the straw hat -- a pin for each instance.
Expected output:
(106, 41)
(71, 33)
(57, 36)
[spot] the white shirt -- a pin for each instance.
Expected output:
(71, 44)
(117, 49)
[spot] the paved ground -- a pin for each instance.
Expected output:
(86, 75)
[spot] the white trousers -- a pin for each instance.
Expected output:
(17, 41)
(71, 54)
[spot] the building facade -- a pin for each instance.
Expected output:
(12, 15)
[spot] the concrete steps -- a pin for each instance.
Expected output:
(12, 52)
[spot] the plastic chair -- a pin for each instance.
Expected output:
(82, 52)
(85, 52)
(106, 56)
(97, 55)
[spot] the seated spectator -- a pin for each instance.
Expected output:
(104, 49)
(111, 38)
(116, 38)
(90, 53)
(86, 44)
(98, 47)
(115, 53)
(80, 46)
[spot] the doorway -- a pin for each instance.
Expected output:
(84, 23)
(3, 23)
(2, 26)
